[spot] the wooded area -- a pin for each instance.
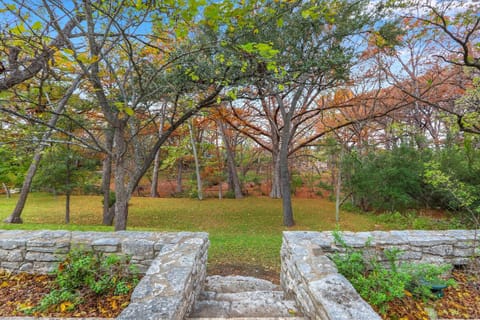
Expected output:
(373, 104)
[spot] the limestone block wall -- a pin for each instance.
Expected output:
(173, 264)
(312, 278)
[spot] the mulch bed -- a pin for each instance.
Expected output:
(24, 290)
(460, 302)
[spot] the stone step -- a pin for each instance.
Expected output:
(260, 304)
(243, 295)
(237, 297)
(230, 284)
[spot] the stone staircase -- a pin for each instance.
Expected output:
(238, 297)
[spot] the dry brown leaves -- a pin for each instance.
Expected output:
(460, 302)
(22, 290)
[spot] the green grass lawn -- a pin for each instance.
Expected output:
(246, 231)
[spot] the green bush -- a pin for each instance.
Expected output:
(422, 275)
(112, 198)
(411, 220)
(229, 194)
(386, 180)
(296, 182)
(403, 178)
(325, 186)
(251, 176)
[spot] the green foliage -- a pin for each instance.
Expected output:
(407, 178)
(229, 194)
(350, 264)
(325, 186)
(378, 284)
(296, 182)
(462, 196)
(56, 297)
(64, 169)
(422, 276)
(112, 198)
(12, 166)
(251, 176)
(85, 270)
(454, 176)
(389, 35)
(411, 220)
(388, 180)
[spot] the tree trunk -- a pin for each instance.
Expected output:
(286, 134)
(121, 207)
(156, 170)
(121, 192)
(338, 188)
(7, 190)
(286, 188)
(197, 165)
(179, 188)
(108, 215)
(230, 181)
(156, 161)
(276, 191)
(232, 168)
(67, 207)
(68, 173)
(27, 183)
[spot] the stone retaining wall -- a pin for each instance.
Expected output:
(173, 264)
(322, 293)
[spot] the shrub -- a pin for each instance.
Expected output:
(411, 220)
(423, 275)
(229, 194)
(296, 182)
(112, 198)
(251, 176)
(386, 180)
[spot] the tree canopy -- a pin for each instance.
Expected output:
(286, 74)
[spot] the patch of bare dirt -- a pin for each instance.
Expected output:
(256, 271)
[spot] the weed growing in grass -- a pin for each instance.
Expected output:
(87, 271)
(378, 284)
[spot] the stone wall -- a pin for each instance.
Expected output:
(173, 264)
(322, 293)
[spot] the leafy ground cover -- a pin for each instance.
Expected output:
(85, 284)
(23, 291)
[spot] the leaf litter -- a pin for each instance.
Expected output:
(21, 291)
(459, 302)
